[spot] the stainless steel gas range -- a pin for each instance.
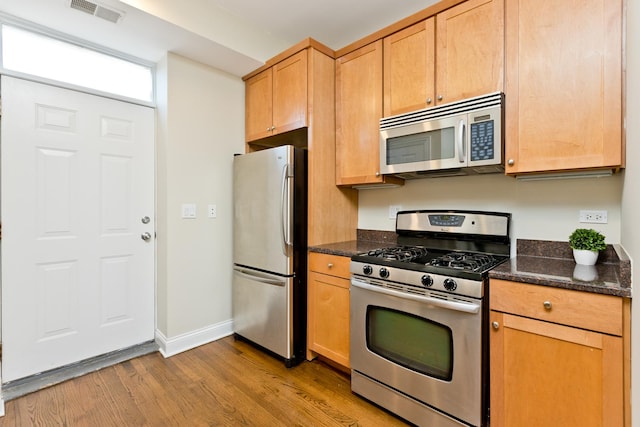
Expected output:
(419, 316)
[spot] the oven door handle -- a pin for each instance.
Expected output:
(449, 305)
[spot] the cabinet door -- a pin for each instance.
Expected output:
(258, 105)
(290, 93)
(328, 317)
(409, 68)
(358, 113)
(563, 85)
(548, 374)
(470, 50)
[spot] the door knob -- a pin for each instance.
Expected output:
(145, 236)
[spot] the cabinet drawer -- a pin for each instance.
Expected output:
(595, 312)
(329, 264)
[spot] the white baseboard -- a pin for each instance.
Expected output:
(171, 346)
(1, 407)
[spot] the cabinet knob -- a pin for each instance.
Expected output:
(429, 101)
(495, 325)
(377, 173)
(511, 162)
(547, 305)
(273, 128)
(440, 97)
(330, 265)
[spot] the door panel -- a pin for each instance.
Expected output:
(77, 177)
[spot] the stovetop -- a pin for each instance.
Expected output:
(467, 265)
(451, 251)
(418, 256)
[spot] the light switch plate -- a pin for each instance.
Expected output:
(189, 210)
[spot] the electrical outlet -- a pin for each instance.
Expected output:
(593, 217)
(213, 211)
(393, 211)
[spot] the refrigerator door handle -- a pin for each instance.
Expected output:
(284, 212)
(252, 275)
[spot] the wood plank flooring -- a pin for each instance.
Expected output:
(224, 383)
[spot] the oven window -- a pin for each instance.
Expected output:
(411, 341)
(421, 147)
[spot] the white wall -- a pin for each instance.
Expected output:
(541, 210)
(631, 191)
(200, 127)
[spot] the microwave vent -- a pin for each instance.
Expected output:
(445, 110)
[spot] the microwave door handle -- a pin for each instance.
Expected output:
(461, 142)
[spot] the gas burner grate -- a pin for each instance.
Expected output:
(465, 261)
(400, 253)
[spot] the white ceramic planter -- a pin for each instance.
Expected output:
(584, 257)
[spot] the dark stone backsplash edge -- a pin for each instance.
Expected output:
(377, 236)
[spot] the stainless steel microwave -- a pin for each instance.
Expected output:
(459, 138)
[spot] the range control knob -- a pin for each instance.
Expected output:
(367, 270)
(450, 284)
(427, 280)
(384, 273)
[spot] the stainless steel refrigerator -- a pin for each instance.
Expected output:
(269, 250)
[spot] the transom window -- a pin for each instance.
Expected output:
(38, 55)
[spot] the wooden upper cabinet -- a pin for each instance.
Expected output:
(457, 54)
(470, 50)
(409, 68)
(259, 105)
(563, 85)
(276, 98)
(358, 113)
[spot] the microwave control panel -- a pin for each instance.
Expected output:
(482, 141)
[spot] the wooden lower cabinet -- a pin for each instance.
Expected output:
(551, 374)
(328, 308)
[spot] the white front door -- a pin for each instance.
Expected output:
(77, 192)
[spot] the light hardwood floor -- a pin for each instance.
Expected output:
(224, 383)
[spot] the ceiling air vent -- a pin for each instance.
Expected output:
(96, 9)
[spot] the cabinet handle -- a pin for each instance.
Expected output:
(495, 325)
(440, 97)
(511, 162)
(547, 305)
(330, 265)
(429, 101)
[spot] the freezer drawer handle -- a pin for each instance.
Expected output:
(259, 278)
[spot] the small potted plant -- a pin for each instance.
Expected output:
(586, 245)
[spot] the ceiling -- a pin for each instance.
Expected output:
(236, 36)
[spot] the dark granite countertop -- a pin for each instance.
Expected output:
(538, 262)
(367, 240)
(551, 264)
(351, 247)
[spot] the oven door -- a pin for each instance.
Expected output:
(429, 145)
(428, 347)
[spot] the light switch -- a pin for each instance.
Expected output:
(189, 210)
